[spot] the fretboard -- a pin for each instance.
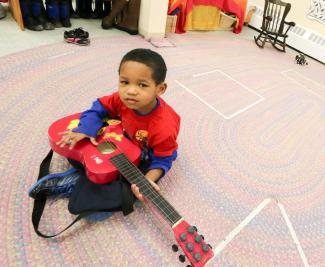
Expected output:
(134, 176)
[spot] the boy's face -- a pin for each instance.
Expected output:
(137, 89)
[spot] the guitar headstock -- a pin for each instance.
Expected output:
(197, 251)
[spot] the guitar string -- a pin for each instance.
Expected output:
(150, 196)
(135, 168)
(172, 211)
(153, 195)
(129, 168)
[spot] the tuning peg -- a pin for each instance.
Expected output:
(191, 229)
(197, 256)
(205, 247)
(202, 237)
(181, 258)
(198, 239)
(189, 246)
(189, 266)
(175, 248)
(182, 236)
(195, 228)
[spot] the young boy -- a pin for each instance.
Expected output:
(146, 118)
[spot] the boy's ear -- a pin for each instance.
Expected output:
(162, 87)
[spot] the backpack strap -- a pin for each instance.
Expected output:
(127, 197)
(39, 204)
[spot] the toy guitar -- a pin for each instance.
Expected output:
(104, 162)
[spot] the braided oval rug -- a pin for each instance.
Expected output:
(250, 173)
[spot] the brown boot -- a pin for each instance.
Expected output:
(117, 7)
(130, 20)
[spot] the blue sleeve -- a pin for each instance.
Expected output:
(91, 120)
(164, 163)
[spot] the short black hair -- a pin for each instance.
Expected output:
(151, 59)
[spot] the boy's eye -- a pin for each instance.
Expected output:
(143, 85)
(123, 82)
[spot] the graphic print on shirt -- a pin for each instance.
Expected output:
(142, 138)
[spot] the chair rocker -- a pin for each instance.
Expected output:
(274, 27)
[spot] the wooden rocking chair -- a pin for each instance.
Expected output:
(274, 27)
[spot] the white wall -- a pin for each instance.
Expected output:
(298, 14)
(152, 20)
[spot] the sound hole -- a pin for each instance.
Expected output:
(106, 147)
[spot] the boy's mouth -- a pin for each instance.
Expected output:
(131, 100)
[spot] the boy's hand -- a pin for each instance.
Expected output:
(71, 138)
(136, 191)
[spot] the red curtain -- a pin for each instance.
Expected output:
(184, 7)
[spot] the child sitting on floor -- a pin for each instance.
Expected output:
(138, 105)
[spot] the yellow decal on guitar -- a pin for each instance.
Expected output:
(73, 124)
(117, 137)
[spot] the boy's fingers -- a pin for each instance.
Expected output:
(60, 141)
(72, 143)
(64, 139)
(135, 189)
(155, 186)
(65, 132)
(140, 197)
(136, 192)
(67, 140)
(63, 142)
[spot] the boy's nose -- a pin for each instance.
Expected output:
(132, 90)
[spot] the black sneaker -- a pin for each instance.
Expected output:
(56, 23)
(76, 33)
(33, 25)
(66, 22)
(45, 23)
(55, 184)
(78, 41)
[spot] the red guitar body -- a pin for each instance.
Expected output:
(95, 159)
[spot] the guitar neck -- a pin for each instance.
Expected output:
(134, 176)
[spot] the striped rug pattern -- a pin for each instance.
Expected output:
(250, 173)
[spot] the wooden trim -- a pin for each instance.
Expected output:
(16, 13)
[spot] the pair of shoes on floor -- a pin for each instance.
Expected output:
(55, 184)
(37, 23)
(77, 36)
